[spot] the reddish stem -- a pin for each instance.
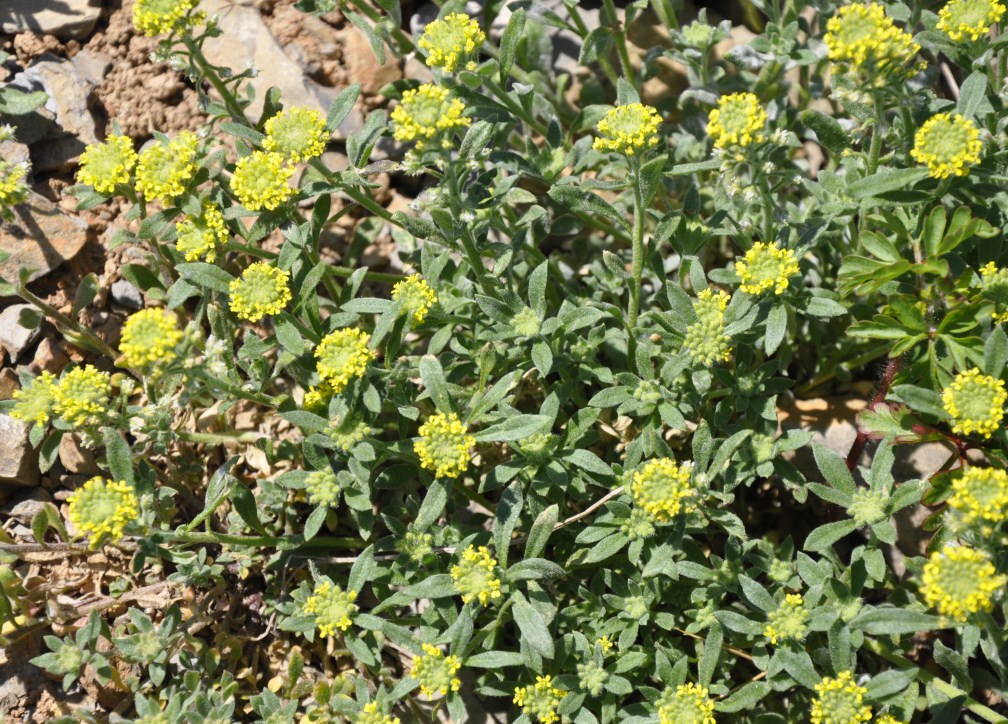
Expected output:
(892, 367)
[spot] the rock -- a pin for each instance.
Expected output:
(50, 356)
(41, 237)
(25, 504)
(92, 66)
(75, 458)
(17, 458)
(362, 66)
(127, 294)
(15, 338)
(9, 384)
(63, 18)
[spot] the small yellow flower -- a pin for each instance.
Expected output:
(343, 356)
(540, 701)
(106, 165)
(436, 672)
(960, 19)
(889, 719)
(863, 37)
(200, 237)
(103, 508)
(298, 134)
(664, 489)
(317, 399)
(630, 129)
(738, 120)
(605, 643)
(262, 289)
(994, 285)
(840, 701)
(13, 189)
(765, 267)
(979, 497)
(451, 41)
(82, 396)
(975, 402)
(371, 714)
(686, 704)
(426, 114)
(417, 295)
(705, 340)
(260, 181)
(165, 167)
(35, 402)
(332, 607)
(443, 446)
(960, 581)
(474, 576)
(155, 17)
(947, 144)
(149, 338)
(789, 621)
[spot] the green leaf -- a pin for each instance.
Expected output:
(972, 93)
(824, 308)
(757, 595)
(886, 181)
(893, 620)
(711, 654)
(120, 458)
(86, 292)
(541, 530)
(776, 328)
(205, 275)
(587, 460)
(306, 420)
(829, 132)
(342, 105)
(509, 43)
(725, 451)
(515, 427)
(921, 400)
(314, 522)
(532, 626)
(245, 505)
(534, 569)
(996, 352)
(606, 547)
(14, 102)
(508, 512)
(495, 659)
(575, 199)
(745, 698)
(826, 535)
(434, 382)
(833, 468)
(362, 570)
(434, 503)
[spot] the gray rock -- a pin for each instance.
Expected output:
(92, 66)
(25, 504)
(41, 237)
(63, 18)
(127, 294)
(17, 458)
(15, 338)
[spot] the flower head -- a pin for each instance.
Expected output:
(103, 508)
(889, 719)
(298, 134)
(155, 17)
(474, 576)
(629, 129)
(840, 701)
(416, 295)
(686, 704)
(738, 120)
(106, 165)
(372, 714)
(260, 180)
(262, 289)
(332, 607)
(765, 267)
(82, 396)
(960, 19)
(975, 402)
(426, 114)
(323, 488)
(317, 398)
(979, 497)
(200, 237)
(960, 581)
(526, 323)
(436, 672)
(35, 402)
(664, 489)
(863, 38)
(444, 445)
(592, 677)
(343, 356)
(149, 338)
(639, 525)
(451, 41)
(164, 168)
(13, 189)
(347, 432)
(868, 506)
(415, 543)
(705, 340)
(540, 701)
(789, 621)
(947, 144)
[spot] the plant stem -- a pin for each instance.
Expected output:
(208, 71)
(468, 244)
(875, 149)
(637, 261)
(621, 42)
(71, 324)
(266, 541)
(219, 438)
(857, 447)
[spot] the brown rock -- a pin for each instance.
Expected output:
(41, 237)
(62, 18)
(50, 356)
(17, 458)
(75, 458)
(9, 383)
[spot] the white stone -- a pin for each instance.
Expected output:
(13, 336)
(63, 18)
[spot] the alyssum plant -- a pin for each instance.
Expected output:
(540, 472)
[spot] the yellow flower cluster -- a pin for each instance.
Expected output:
(103, 508)
(474, 576)
(975, 402)
(372, 714)
(428, 113)
(13, 189)
(840, 701)
(200, 237)
(947, 144)
(155, 17)
(629, 129)
(35, 402)
(738, 120)
(164, 168)
(765, 267)
(995, 282)
(260, 180)
(149, 338)
(979, 497)
(788, 621)
(686, 703)
(889, 719)
(417, 296)
(106, 165)
(444, 444)
(343, 356)
(332, 607)
(540, 701)
(262, 289)
(298, 134)
(83, 395)
(863, 37)
(960, 581)
(664, 489)
(436, 672)
(450, 41)
(705, 340)
(960, 19)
